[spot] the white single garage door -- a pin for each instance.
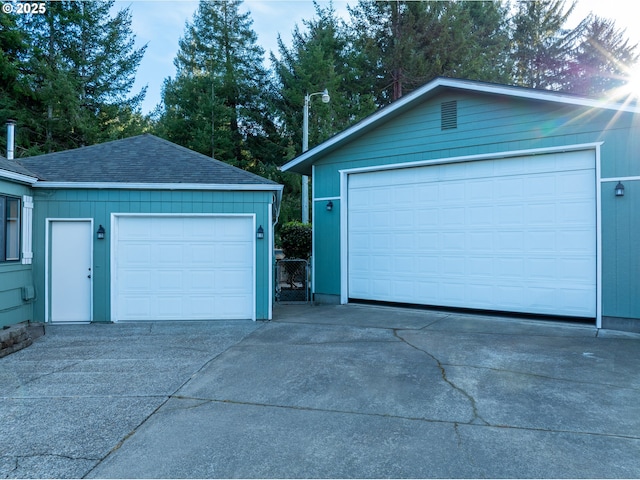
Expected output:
(512, 234)
(183, 268)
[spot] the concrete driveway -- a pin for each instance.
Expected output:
(331, 391)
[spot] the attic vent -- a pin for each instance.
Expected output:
(449, 115)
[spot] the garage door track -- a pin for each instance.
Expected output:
(331, 391)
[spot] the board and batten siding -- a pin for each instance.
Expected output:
(621, 256)
(99, 204)
(14, 275)
(490, 124)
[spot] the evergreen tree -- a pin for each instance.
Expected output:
(75, 76)
(603, 59)
(13, 46)
(320, 57)
(218, 103)
(542, 46)
(404, 44)
(390, 36)
(485, 39)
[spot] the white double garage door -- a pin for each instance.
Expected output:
(183, 267)
(510, 234)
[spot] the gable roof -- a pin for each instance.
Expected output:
(143, 159)
(302, 163)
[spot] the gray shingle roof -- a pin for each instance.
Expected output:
(141, 159)
(13, 166)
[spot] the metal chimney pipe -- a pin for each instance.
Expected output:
(11, 136)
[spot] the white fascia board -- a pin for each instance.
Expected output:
(161, 186)
(18, 177)
(533, 94)
(468, 85)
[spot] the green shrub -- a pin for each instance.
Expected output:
(295, 240)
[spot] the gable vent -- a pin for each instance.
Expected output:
(449, 115)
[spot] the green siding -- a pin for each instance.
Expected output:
(326, 246)
(14, 275)
(100, 204)
(490, 124)
(621, 250)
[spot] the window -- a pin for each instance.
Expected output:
(9, 229)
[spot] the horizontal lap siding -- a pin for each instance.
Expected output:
(100, 204)
(14, 275)
(484, 126)
(491, 124)
(13, 309)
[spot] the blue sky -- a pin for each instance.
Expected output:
(160, 24)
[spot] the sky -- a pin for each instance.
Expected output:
(160, 23)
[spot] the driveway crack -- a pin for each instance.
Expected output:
(477, 418)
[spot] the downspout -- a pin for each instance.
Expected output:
(11, 136)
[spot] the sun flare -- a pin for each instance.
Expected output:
(631, 88)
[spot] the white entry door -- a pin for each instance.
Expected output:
(70, 280)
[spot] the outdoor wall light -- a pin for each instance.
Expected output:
(260, 233)
(100, 233)
(329, 206)
(619, 190)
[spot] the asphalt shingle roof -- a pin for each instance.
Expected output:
(141, 159)
(13, 166)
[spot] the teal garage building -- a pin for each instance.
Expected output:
(480, 196)
(134, 230)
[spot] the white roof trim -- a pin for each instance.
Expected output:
(159, 186)
(9, 175)
(478, 157)
(469, 85)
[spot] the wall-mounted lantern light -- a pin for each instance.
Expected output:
(260, 233)
(100, 233)
(329, 206)
(619, 190)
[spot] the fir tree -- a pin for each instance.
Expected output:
(542, 45)
(218, 103)
(75, 76)
(603, 59)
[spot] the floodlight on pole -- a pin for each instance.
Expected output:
(305, 146)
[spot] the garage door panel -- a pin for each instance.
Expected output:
(481, 216)
(541, 269)
(135, 253)
(169, 280)
(481, 267)
(482, 190)
(169, 254)
(169, 306)
(509, 214)
(509, 241)
(192, 268)
(540, 241)
(515, 237)
(575, 269)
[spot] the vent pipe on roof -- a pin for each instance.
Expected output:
(11, 128)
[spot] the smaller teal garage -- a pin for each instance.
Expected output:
(142, 229)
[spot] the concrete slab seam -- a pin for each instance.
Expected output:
(456, 424)
(438, 320)
(144, 420)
